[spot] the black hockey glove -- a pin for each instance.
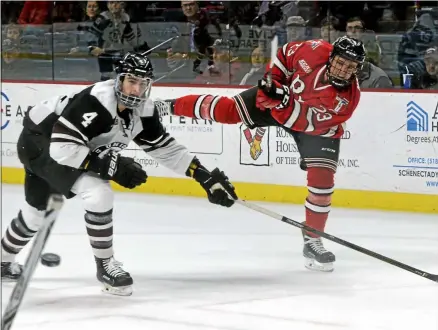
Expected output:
(219, 189)
(123, 170)
(272, 95)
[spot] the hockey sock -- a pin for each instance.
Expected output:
(19, 233)
(100, 232)
(220, 109)
(320, 183)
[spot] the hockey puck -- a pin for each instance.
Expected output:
(50, 259)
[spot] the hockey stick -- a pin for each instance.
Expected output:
(170, 72)
(274, 49)
(53, 207)
(159, 45)
(337, 240)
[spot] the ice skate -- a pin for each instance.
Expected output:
(316, 256)
(11, 271)
(114, 278)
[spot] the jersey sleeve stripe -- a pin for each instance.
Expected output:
(59, 128)
(295, 114)
(57, 137)
(158, 143)
(281, 66)
(72, 127)
(197, 109)
(205, 107)
(282, 54)
(243, 111)
(213, 106)
(164, 144)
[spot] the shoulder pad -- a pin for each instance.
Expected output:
(104, 92)
(147, 110)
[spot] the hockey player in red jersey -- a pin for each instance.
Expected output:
(311, 91)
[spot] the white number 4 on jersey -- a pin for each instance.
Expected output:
(88, 118)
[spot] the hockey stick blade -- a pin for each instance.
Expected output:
(429, 276)
(53, 207)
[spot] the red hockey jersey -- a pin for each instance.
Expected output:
(316, 107)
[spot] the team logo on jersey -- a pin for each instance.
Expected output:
(114, 35)
(254, 146)
(117, 146)
(303, 64)
(314, 44)
(341, 102)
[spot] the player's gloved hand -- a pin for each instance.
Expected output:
(123, 170)
(273, 95)
(219, 189)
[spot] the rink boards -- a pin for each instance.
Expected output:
(389, 153)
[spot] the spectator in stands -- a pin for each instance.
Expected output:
(355, 29)
(226, 65)
(11, 44)
(296, 28)
(35, 12)
(92, 10)
(328, 29)
(200, 39)
(115, 35)
(431, 61)
(65, 12)
(10, 11)
(257, 70)
(422, 36)
(371, 76)
(86, 38)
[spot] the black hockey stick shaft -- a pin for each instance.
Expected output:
(53, 207)
(429, 276)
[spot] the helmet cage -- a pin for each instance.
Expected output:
(348, 49)
(130, 100)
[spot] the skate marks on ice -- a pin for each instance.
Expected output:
(232, 271)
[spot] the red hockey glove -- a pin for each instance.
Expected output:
(276, 95)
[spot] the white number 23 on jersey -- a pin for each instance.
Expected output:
(88, 118)
(321, 114)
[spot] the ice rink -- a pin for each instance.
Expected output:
(197, 266)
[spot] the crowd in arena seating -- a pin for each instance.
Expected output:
(214, 42)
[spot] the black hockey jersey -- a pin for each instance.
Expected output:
(89, 122)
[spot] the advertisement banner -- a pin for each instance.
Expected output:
(390, 143)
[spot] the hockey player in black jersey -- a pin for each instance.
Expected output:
(70, 144)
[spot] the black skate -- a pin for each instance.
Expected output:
(114, 279)
(317, 257)
(11, 271)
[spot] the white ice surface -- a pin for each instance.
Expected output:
(197, 266)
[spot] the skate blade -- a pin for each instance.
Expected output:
(9, 280)
(314, 265)
(117, 291)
